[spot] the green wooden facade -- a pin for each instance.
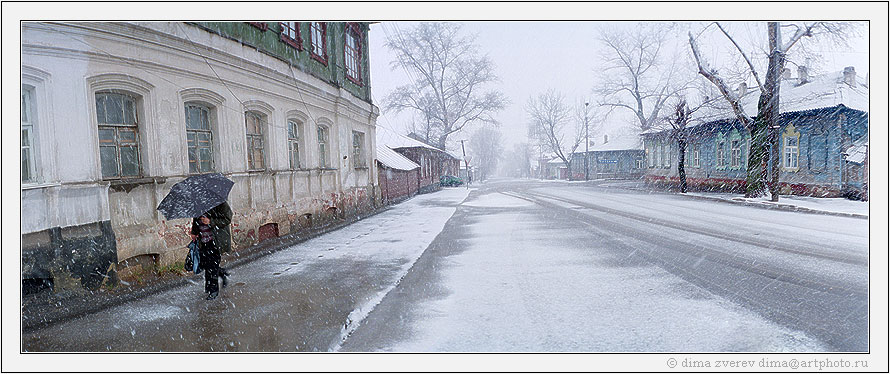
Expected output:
(266, 38)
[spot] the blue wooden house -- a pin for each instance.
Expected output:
(617, 158)
(822, 119)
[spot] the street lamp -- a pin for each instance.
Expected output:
(586, 144)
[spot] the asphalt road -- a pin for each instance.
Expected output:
(803, 272)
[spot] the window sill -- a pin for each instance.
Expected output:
(322, 59)
(361, 168)
(36, 185)
(127, 185)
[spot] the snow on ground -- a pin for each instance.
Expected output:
(825, 204)
(528, 284)
(498, 200)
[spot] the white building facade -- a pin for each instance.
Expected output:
(113, 114)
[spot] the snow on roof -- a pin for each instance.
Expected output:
(394, 140)
(822, 91)
(858, 151)
(619, 143)
(393, 159)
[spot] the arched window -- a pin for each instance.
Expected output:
(256, 154)
(294, 134)
(323, 147)
(116, 114)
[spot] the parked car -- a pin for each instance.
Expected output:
(450, 181)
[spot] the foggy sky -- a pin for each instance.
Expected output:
(531, 57)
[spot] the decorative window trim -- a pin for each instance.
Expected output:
(789, 133)
(323, 57)
(263, 26)
(353, 27)
(696, 156)
(297, 40)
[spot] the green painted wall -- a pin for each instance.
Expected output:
(269, 42)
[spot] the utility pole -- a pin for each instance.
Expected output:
(466, 163)
(586, 144)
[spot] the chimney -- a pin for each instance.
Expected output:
(850, 76)
(802, 74)
(605, 139)
(786, 73)
(743, 89)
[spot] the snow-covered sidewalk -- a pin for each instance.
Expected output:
(306, 297)
(835, 206)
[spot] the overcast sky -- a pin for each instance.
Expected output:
(531, 57)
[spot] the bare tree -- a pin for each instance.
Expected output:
(486, 147)
(550, 116)
(449, 77)
(763, 127)
(639, 74)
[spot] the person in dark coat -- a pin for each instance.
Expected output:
(212, 233)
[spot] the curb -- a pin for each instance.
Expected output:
(43, 314)
(757, 204)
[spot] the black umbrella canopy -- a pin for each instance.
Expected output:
(196, 195)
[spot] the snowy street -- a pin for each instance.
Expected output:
(524, 266)
(560, 267)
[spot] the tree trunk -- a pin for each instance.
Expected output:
(765, 129)
(776, 65)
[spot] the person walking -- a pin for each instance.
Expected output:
(214, 238)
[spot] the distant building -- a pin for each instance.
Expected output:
(621, 157)
(433, 162)
(397, 175)
(823, 119)
(113, 114)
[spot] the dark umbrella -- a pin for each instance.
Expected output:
(196, 195)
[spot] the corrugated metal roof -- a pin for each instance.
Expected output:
(393, 159)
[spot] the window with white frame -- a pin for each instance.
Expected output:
(117, 118)
(294, 132)
(290, 34)
(29, 167)
(318, 45)
(323, 146)
(735, 155)
(720, 153)
(255, 123)
(791, 151)
(199, 138)
(666, 150)
(353, 52)
(358, 149)
(696, 156)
